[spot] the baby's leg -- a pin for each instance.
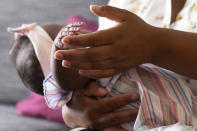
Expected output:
(42, 43)
(68, 79)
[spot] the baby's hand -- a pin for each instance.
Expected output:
(71, 29)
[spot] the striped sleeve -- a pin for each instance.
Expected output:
(55, 97)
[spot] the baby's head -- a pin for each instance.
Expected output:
(25, 60)
(27, 64)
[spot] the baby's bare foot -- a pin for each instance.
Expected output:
(71, 29)
(25, 28)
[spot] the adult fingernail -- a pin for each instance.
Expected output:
(58, 56)
(95, 7)
(66, 64)
(66, 40)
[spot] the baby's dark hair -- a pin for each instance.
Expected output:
(27, 65)
(25, 60)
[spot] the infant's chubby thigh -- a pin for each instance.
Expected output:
(73, 118)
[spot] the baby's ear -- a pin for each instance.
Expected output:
(52, 29)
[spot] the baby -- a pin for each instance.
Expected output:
(25, 60)
(165, 97)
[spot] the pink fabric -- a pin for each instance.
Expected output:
(35, 105)
(88, 25)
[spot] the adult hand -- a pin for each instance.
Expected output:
(85, 110)
(113, 50)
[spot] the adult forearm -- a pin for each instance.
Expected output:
(177, 51)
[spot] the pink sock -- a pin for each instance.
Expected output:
(35, 106)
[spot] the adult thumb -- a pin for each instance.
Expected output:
(112, 13)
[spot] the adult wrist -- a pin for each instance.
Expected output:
(160, 38)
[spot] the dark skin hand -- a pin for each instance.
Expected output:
(107, 71)
(140, 43)
(91, 73)
(100, 60)
(83, 100)
(99, 114)
(121, 117)
(111, 50)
